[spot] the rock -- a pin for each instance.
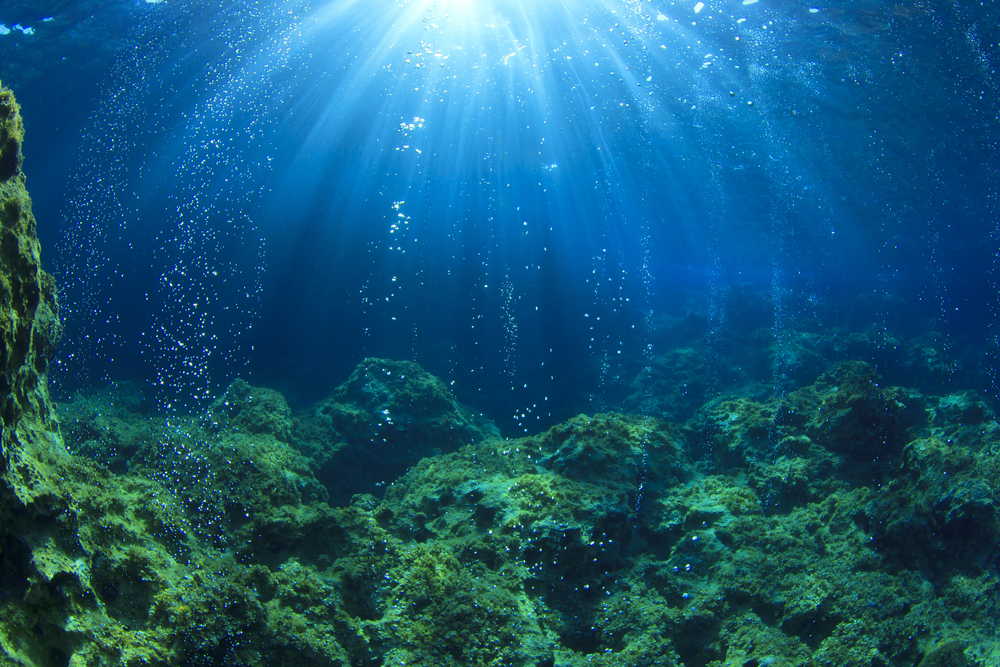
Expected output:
(849, 411)
(964, 408)
(386, 417)
(946, 654)
(557, 513)
(941, 511)
(673, 386)
(251, 409)
(107, 425)
(29, 321)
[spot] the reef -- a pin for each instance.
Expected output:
(846, 520)
(846, 523)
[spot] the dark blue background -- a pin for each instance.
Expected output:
(864, 167)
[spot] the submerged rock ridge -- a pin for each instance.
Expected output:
(844, 523)
(847, 522)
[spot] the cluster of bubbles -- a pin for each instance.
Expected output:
(509, 326)
(608, 319)
(198, 340)
(161, 261)
(178, 459)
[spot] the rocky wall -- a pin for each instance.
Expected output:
(29, 322)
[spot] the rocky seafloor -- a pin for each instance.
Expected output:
(843, 520)
(846, 523)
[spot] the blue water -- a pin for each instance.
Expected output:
(525, 197)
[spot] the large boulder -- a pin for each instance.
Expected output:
(386, 417)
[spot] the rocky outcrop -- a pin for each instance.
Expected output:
(29, 322)
(38, 543)
(386, 417)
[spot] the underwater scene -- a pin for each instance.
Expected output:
(520, 333)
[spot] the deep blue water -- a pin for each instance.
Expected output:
(525, 197)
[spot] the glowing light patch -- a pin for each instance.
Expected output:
(700, 6)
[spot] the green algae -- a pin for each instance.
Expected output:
(542, 550)
(383, 419)
(29, 326)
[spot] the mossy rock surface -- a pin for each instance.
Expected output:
(608, 539)
(29, 322)
(387, 416)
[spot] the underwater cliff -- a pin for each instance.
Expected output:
(848, 521)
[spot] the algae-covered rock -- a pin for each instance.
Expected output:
(601, 542)
(847, 412)
(252, 409)
(223, 473)
(674, 385)
(850, 411)
(40, 564)
(534, 514)
(598, 541)
(941, 509)
(109, 425)
(29, 322)
(386, 417)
